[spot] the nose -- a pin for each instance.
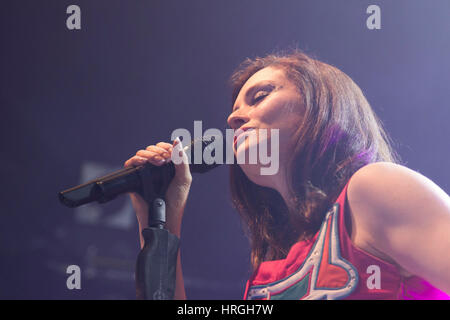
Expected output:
(238, 118)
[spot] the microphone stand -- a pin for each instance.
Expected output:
(157, 260)
(156, 263)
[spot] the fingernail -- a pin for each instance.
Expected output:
(158, 159)
(177, 141)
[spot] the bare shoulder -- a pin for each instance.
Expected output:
(386, 185)
(385, 200)
(386, 174)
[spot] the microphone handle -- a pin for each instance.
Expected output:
(130, 179)
(108, 187)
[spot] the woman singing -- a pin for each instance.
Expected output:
(341, 218)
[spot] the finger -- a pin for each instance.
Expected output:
(165, 145)
(135, 161)
(152, 157)
(161, 151)
(146, 154)
(181, 162)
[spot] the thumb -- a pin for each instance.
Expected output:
(181, 162)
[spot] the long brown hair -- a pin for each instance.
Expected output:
(339, 134)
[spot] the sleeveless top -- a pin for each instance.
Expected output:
(329, 267)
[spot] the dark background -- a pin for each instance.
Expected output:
(76, 104)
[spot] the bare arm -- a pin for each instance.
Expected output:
(176, 197)
(406, 216)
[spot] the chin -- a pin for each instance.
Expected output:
(252, 171)
(244, 150)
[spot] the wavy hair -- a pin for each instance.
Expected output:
(338, 134)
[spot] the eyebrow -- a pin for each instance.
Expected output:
(258, 85)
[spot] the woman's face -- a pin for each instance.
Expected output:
(268, 100)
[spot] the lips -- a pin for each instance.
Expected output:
(238, 134)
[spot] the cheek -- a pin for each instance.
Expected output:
(288, 127)
(279, 112)
(286, 119)
(285, 142)
(284, 115)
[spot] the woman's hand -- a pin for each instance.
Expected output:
(178, 190)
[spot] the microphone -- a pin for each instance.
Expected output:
(130, 179)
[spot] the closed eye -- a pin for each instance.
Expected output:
(262, 91)
(260, 95)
